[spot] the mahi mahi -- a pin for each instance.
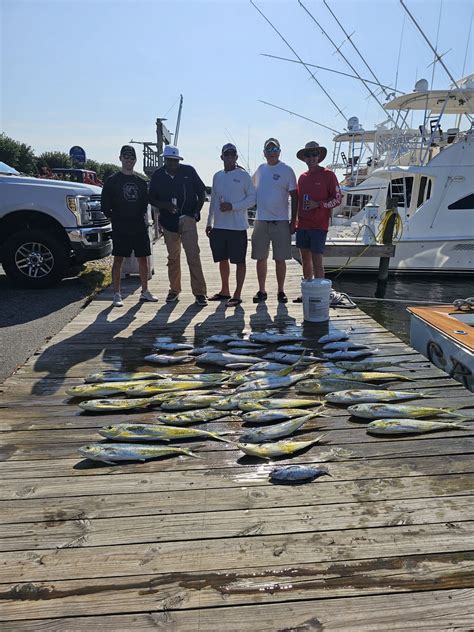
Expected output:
(155, 432)
(114, 452)
(157, 358)
(384, 411)
(265, 404)
(361, 396)
(279, 448)
(411, 426)
(120, 376)
(277, 431)
(190, 417)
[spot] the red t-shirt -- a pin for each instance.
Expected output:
(321, 186)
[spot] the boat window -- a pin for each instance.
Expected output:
(424, 192)
(400, 189)
(464, 203)
(359, 201)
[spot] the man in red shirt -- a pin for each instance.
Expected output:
(318, 194)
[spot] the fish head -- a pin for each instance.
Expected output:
(91, 451)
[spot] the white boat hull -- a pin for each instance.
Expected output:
(421, 257)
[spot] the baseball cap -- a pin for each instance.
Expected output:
(128, 150)
(271, 141)
(229, 147)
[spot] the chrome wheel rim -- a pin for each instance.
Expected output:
(34, 260)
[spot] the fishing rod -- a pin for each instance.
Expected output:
(346, 60)
(384, 88)
(300, 116)
(339, 111)
(338, 72)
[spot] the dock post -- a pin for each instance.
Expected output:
(387, 239)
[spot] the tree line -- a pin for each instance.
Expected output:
(21, 157)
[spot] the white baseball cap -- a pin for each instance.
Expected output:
(170, 151)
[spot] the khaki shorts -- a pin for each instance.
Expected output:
(276, 233)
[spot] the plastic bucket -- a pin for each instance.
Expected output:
(316, 300)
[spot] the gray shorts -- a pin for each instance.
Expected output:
(277, 233)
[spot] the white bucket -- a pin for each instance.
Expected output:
(316, 299)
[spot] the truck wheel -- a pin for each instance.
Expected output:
(34, 258)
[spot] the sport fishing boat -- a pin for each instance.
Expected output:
(445, 335)
(428, 180)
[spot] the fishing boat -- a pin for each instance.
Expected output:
(428, 180)
(445, 335)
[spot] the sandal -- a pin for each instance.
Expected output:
(219, 297)
(282, 297)
(233, 302)
(259, 297)
(298, 300)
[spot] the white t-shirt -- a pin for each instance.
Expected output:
(235, 187)
(273, 184)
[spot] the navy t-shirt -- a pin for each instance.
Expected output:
(125, 200)
(186, 186)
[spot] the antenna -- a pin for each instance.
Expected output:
(344, 57)
(339, 111)
(178, 121)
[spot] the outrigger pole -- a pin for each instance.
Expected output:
(300, 116)
(339, 111)
(337, 72)
(347, 62)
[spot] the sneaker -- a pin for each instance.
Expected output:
(201, 299)
(117, 300)
(172, 297)
(148, 296)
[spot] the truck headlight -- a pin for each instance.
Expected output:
(85, 209)
(72, 203)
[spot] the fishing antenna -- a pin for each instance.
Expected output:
(339, 111)
(238, 151)
(349, 38)
(338, 72)
(300, 116)
(467, 44)
(346, 60)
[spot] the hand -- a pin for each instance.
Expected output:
(197, 216)
(208, 230)
(311, 204)
(292, 228)
(225, 206)
(160, 230)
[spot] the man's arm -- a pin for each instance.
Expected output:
(249, 199)
(200, 194)
(212, 206)
(294, 209)
(106, 199)
(335, 197)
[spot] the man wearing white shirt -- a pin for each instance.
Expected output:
(275, 183)
(232, 194)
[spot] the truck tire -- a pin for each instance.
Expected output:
(34, 258)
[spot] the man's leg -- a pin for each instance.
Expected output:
(224, 270)
(143, 271)
(307, 263)
(280, 269)
(262, 274)
(116, 270)
(318, 266)
(240, 271)
(189, 239)
(173, 246)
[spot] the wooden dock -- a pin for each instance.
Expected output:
(209, 545)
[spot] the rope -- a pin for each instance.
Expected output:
(464, 304)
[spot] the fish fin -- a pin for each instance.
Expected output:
(292, 367)
(193, 454)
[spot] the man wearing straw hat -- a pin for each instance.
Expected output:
(318, 194)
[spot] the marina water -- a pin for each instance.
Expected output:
(401, 291)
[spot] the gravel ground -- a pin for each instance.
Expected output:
(28, 318)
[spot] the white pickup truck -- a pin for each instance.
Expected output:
(47, 226)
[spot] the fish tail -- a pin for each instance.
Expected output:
(190, 453)
(218, 437)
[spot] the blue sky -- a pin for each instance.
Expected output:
(97, 73)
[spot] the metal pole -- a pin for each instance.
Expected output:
(387, 239)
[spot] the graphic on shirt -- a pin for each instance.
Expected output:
(276, 176)
(130, 192)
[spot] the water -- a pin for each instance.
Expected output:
(392, 314)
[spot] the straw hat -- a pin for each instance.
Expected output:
(312, 146)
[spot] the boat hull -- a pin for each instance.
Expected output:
(446, 337)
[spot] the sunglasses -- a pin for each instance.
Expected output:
(230, 153)
(128, 156)
(272, 150)
(313, 154)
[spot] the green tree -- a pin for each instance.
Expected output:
(53, 160)
(107, 169)
(17, 155)
(92, 165)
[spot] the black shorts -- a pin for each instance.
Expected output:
(125, 241)
(228, 244)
